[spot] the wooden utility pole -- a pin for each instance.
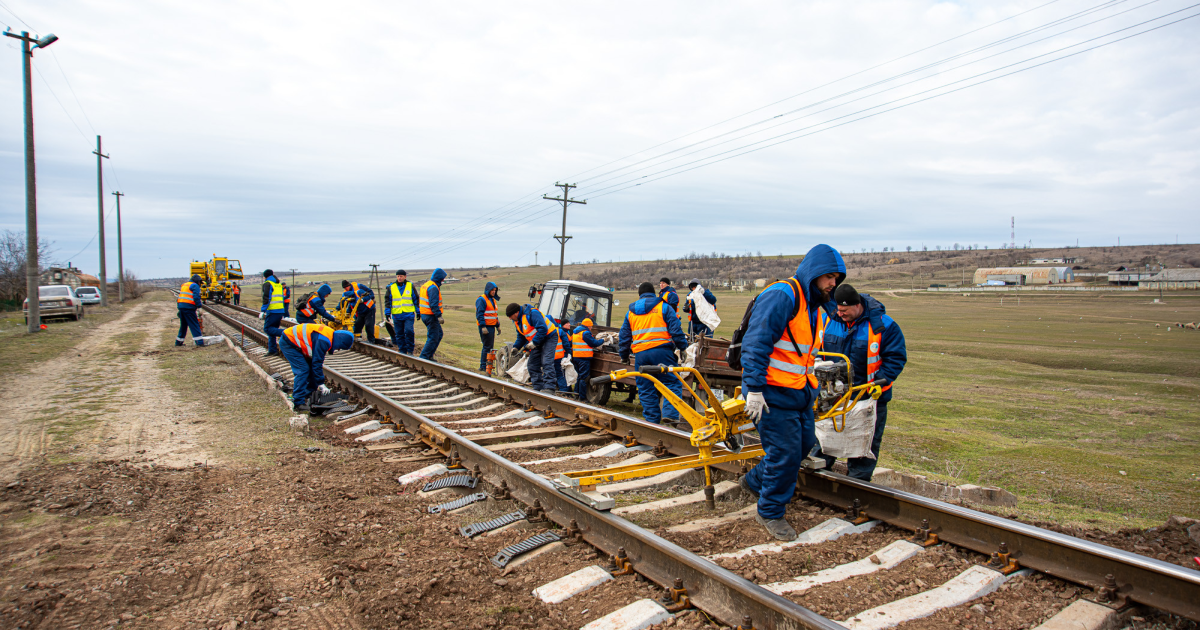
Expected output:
(374, 281)
(100, 196)
(120, 260)
(563, 238)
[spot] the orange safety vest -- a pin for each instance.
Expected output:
(307, 310)
(527, 330)
(786, 367)
(424, 297)
(185, 294)
(354, 286)
(580, 347)
(559, 352)
(237, 290)
(649, 330)
(489, 311)
(287, 295)
(301, 336)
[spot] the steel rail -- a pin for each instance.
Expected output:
(1140, 579)
(711, 588)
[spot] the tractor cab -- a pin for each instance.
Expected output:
(572, 301)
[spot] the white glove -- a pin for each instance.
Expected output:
(323, 389)
(441, 320)
(755, 406)
(262, 314)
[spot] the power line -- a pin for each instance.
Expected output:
(999, 42)
(931, 97)
(849, 76)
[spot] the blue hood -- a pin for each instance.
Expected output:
(324, 291)
(342, 339)
(819, 261)
(644, 303)
(439, 275)
(487, 288)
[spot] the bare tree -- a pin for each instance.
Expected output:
(12, 265)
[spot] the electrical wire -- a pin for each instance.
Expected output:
(931, 97)
(999, 42)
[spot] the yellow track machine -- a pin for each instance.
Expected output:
(717, 434)
(216, 277)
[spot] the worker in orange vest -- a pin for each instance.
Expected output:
(237, 294)
(652, 332)
(488, 319)
(583, 346)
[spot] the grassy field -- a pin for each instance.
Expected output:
(1079, 404)
(19, 350)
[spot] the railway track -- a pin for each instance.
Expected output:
(499, 432)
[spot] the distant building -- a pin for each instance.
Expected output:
(1172, 280)
(1004, 279)
(1065, 274)
(1052, 261)
(70, 276)
(760, 283)
(1129, 277)
(1033, 275)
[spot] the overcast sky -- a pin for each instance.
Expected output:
(289, 134)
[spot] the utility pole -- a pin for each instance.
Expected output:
(535, 263)
(100, 196)
(563, 238)
(374, 281)
(31, 239)
(120, 260)
(293, 280)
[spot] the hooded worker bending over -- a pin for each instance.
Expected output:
(431, 313)
(855, 325)
(652, 332)
(400, 303)
(305, 347)
(362, 304)
(583, 346)
(313, 305)
(537, 335)
(488, 319)
(778, 380)
(272, 311)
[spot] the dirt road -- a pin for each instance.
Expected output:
(104, 400)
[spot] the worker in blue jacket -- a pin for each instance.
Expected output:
(857, 326)
(697, 328)
(272, 311)
(307, 311)
(187, 302)
(652, 332)
(583, 346)
(778, 380)
(400, 303)
(430, 304)
(487, 317)
(538, 336)
(362, 304)
(668, 294)
(305, 347)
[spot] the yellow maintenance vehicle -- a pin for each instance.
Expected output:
(216, 277)
(716, 433)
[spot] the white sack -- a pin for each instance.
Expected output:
(520, 371)
(855, 439)
(569, 371)
(689, 355)
(702, 310)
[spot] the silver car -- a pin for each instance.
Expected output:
(89, 295)
(56, 300)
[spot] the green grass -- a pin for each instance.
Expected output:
(20, 350)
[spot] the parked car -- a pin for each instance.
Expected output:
(89, 295)
(56, 300)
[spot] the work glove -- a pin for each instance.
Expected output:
(441, 320)
(755, 406)
(262, 314)
(323, 389)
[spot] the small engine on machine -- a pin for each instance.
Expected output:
(833, 380)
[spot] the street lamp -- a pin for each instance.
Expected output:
(31, 240)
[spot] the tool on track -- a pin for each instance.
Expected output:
(507, 554)
(475, 529)
(453, 481)
(721, 424)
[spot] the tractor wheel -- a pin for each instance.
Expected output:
(598, 394)
(504, 361)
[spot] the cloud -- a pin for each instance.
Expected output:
(298, 135)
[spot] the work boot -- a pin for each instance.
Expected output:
(745, 486)
(304, 409)
(777, 527)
